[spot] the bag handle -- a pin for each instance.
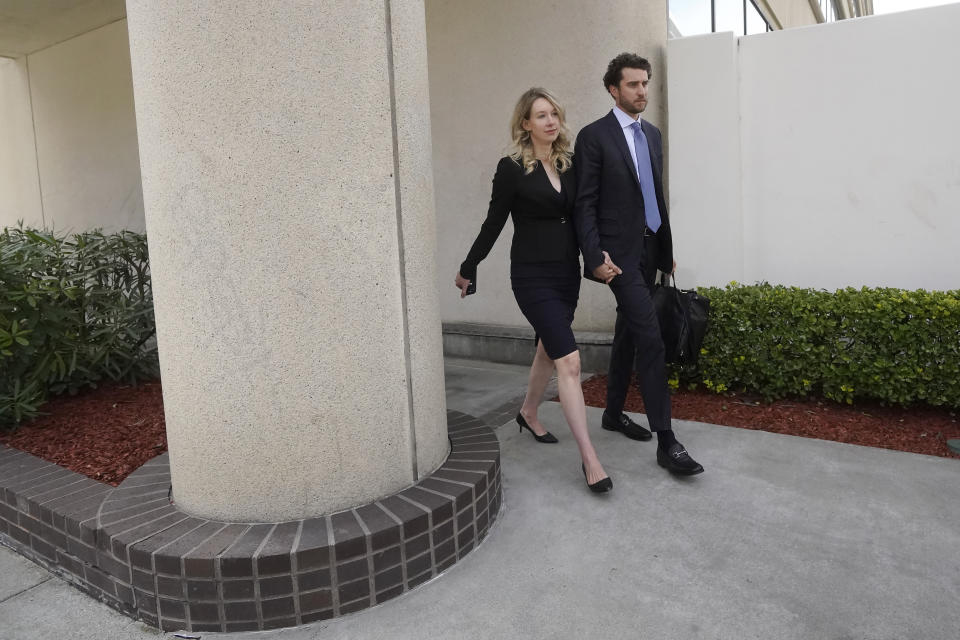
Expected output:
(666, 278)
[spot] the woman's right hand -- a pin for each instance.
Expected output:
(606, 271)
(462, 284)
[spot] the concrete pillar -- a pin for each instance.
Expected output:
(285, 153)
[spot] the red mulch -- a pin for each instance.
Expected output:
(920, 429)
(104, 433)
(109, 432)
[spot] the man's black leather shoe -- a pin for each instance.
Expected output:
(626, 426)
(677, 460)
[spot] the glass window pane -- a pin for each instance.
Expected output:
(829, 11)
(755, 22)
(729, 16)
(690, 17)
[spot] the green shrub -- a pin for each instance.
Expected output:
(898, 347)
(73, 311)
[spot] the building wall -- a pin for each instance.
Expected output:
(19, 184)
(482, 56)
(704, 159)
(89, 163)
(85, 148)
(847, 160)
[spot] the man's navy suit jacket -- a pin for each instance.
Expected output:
(609, 212)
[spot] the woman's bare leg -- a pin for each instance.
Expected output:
(540, 372)
(571, 400)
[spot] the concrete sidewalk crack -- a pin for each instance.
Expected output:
(14, 595)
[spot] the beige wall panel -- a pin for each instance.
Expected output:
(268, 154)
(482, 56)
(19, 182)
(87, 133)
(793, 13)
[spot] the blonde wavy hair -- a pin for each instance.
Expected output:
(522, 149)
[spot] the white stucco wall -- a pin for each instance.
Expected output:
(849, 171)
(86, 136)
(482, 56)
(704, 158)
(19, 184)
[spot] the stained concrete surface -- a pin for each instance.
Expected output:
(781, 538)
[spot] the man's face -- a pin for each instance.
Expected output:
(631, 94)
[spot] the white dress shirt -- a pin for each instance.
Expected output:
(626, 121)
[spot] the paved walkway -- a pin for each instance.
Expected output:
(781, 538)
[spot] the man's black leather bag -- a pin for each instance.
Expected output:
(683, 316)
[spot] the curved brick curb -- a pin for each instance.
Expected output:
(133, 549)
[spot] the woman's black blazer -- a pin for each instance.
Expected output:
(543, 229)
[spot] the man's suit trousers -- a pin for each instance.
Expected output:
(637, 344)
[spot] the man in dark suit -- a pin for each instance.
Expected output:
(624, 233)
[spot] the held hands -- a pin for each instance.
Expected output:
(462, 284)
(606, 271)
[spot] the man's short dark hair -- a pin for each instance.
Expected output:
(614, 73)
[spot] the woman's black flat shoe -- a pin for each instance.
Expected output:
(600, 486)
(547, 437)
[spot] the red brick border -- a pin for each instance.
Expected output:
(131, 548)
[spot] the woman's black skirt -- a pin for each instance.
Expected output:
(547, 294)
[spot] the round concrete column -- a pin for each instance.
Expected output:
(285, 154)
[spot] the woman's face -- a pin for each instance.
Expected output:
(543, 123)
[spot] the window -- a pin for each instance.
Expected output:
(829, 12)
(753, 21)
(690, 17)
(693, 17)
(728, 16)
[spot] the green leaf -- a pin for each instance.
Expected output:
(78, 309)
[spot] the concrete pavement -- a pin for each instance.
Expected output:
(781, 538)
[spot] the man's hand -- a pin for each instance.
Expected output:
(607, 271)
(462, 284)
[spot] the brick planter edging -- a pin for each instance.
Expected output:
(131, 548)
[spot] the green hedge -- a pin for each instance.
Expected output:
(76, 310)
(898, 347)
(73, 311)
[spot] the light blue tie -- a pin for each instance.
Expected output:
(646, 178)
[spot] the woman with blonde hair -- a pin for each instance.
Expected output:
(536, 185)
